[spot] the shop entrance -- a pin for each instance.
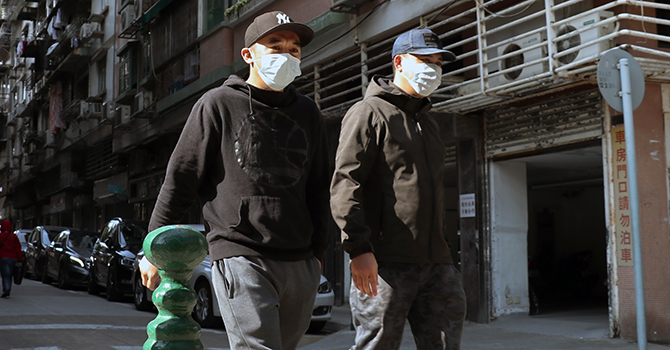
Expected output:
(549, 235)
(567, 234)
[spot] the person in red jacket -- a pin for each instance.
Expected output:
(10, 253)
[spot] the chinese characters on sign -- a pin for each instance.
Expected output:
(623, 225)
(468, 205)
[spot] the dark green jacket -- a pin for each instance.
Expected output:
(387, 195)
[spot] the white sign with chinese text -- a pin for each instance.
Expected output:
(467, 205)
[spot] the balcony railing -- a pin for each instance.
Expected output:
(542, 48)
(507, 49)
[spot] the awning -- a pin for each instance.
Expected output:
(154, 10)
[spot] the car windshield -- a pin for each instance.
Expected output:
(131, 235)
(82, 239)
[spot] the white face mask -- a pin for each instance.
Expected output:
(278, 69)
(427, 76)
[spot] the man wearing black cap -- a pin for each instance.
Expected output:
(387, 198)
(254, 153)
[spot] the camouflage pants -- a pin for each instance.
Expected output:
(429, 296)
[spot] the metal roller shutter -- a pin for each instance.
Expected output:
(544, 124)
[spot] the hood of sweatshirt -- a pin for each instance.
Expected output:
(385, 89)
(267, 97)
(6, 226)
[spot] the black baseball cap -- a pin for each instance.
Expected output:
(420, 42)
(276, 21)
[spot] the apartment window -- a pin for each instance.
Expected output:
(174, 32)
(663, 29)
(102, 76)
(147, 69)
(215, 10)
(127, 74)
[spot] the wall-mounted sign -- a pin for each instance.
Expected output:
(467, 205)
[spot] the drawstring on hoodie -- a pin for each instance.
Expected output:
(251, 108)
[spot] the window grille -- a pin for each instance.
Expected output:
(526, 47)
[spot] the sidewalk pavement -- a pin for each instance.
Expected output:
(569, 330)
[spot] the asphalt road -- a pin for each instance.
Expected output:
(43, 317)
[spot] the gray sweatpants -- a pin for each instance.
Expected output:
(430, 297)
(265, 304)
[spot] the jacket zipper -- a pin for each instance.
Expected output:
(432, 185)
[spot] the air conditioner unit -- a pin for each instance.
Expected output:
(50, 139)
(590, 35)
(108, 110)
(95, 109)
(127, 16)
(521, 58)
(148, 99)
(27, 159)
(83, 109)
(123, 113)
(89, 29)
(142, 6)
(39, 85)
(143, 100)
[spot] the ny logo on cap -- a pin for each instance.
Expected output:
(283, 18)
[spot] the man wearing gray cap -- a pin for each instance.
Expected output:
(387, 198)
(254, 153)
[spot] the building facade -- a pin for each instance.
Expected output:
(94, 95)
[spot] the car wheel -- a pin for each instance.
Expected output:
(316, 326)
(62, 282)
(92, 287)
(111, 291)
(202, 312)
(140, 297)
(46, 279)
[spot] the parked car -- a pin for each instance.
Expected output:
(23, 235)
(323, 306)
(111, 263)
(38, 240)
(206, 311)
(67, 257)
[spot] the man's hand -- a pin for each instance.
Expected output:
(364, 273)
(149, 273)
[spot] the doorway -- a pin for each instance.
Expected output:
(548, 232)
(567, 233)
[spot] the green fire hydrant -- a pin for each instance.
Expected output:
(175, 250)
